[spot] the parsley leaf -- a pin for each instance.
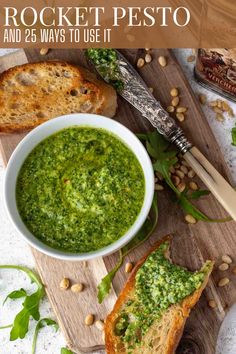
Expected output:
(42, 323)
(66, 351)
(30, 305)
(233, 132)
(142, 235)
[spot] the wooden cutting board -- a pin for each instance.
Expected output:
(192, 244)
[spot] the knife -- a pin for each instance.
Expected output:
(136, 92)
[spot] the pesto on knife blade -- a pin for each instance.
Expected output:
(80, 189)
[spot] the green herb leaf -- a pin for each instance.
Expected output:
(233, 132)
(143, 234)
(30, 304)
(16, 294)
(42, 323)
(66, 351)
(198, 194)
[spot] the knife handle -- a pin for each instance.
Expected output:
(219, 187)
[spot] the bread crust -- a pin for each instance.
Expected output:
(31, 100)
(112, 342)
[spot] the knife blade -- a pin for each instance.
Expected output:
(136, 92)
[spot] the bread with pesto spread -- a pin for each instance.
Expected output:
(33, 93)
(149, 317)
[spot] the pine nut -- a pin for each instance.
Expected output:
(180, 117)
(170, 109)
(180, 174)
(213, 104)
(202, 98)
(159, 187)
(177, 165)
(128, 267)
(148, 58)
(65, 284)
(151, 89)
(176, 180)
(44, 51)
(147, 49)
(191, 173)
(223, 266)
(162, 61)
(140, 63)
(234, 270)
(191, 58)
(85, 264)
(223, 282)
(175, 101)
(184, 169)
(174, 92)
(89, 319)
(190, 219)
(212, 304)
(172, 169)
(185, 163)
(77, 288)
(193, 186)
(159, 176)
(155, 179)
(100, 325)
(220, 117)
(181, 109)
(217, 110)
(181, 187)
(226, 259)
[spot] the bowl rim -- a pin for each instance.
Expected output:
(49, 128)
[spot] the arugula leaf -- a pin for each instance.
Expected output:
(16, 294)
(142, 235)
(30, 305)
(42, 323)
(66, 351)
(233, 132)
(198, 194)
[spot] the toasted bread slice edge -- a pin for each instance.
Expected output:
(176, 331)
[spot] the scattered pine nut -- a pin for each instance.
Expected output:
(226, 259)
(217, 110)
(223, 266)
(172, 169)
(177, 165)
(158, 187)
(140, 63)
(176, 180)
(175, 101)
(89, 319)
(159, 176)
(65, 284)
(191, 58)
(100, 325)
(181, 187)
(174, 92)
(148, 58)
(180, 117)
(185, 163)
(184, 169)
(147, 49)
(181, 109)
(170, 109)
(223, 282)
(77, 288)
(212, 304)
(44, 51)
(190, 219)
(128, 267)
(193, 186)
(220, 117)
(180, 174)
(213, 104)
(202, 98)
(162, 61)
(191, 173)
(151, 89)
(234, 270)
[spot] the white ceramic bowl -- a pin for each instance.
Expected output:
(49, 128)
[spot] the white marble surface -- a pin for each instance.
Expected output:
(14, 250)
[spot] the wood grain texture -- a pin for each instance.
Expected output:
(192, 244)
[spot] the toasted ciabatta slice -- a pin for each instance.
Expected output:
(163, 335)
(34, 93)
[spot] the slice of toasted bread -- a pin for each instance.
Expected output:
(34, 93)
(165, 332)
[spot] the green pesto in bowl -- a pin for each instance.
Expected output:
(80, 189)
